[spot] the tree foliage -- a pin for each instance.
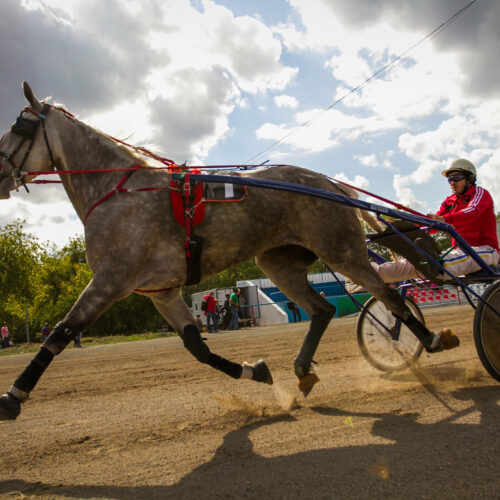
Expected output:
(44, 283)
(19, 258)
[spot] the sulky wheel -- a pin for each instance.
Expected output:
(387, 351)
(487, 330)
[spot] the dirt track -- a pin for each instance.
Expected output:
(144, 420)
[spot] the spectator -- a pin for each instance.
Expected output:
(226, 311)
(295, 310)
(234, 301)
(211, 313)
(77, 340)
(44, 332)
(5, 336)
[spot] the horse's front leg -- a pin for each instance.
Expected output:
(173, 308)
(94, 300)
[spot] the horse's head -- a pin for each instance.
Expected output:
(25, 147)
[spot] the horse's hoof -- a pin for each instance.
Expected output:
(307, 382)
(10, 407)
(261, 372)
(448, 339)
(444, 340)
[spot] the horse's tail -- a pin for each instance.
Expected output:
(364, 214)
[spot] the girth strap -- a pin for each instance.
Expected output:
(192, 243)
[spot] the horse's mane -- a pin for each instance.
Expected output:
(151, 152)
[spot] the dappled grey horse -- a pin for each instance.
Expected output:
(135, 244)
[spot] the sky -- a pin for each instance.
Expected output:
(215, 82)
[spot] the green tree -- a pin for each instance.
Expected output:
(63, 276)
(60, 282)
(76, 250)
(20, 254)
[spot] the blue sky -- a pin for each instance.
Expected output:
(219, 81)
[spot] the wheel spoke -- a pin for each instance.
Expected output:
(378, 346)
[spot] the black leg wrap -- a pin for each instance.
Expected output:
(418, 329)
(59, 338)
(303, 360)
(225, 366)
(195, 345)
(32, 373)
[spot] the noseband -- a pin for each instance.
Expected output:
(26, 130)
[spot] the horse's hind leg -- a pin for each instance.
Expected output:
(287, 267)
(174, 310)
(360, 271)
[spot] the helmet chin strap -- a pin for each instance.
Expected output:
(469, 181)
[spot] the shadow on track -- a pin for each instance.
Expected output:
(446, 459)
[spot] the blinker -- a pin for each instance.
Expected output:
(24, 127)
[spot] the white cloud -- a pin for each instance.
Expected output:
(286, 101)
(367, 160)
(128, 120)
(387, 164)
(318, 130)
(376, 201)
(358, 181)
(436, 78)
(405, 195)
(293, 38)
(489, 177)
(474, 134)
(215, 37)
(53, 220)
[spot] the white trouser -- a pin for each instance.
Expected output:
(456, 262)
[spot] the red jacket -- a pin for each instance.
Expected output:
(472, 215)
(211, 305)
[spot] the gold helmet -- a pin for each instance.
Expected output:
(460, 165)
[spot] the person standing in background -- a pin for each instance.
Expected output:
(211, 313)
(5, 336)
(234, 300)
(44, 332)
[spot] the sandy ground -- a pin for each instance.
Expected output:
(145, 420)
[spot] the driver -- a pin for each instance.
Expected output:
(469, 209)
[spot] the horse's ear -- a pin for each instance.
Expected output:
(30, 97)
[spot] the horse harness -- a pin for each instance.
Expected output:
(26, 129)
(187, 196)
(191, 197)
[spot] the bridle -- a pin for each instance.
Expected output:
(26, 130)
